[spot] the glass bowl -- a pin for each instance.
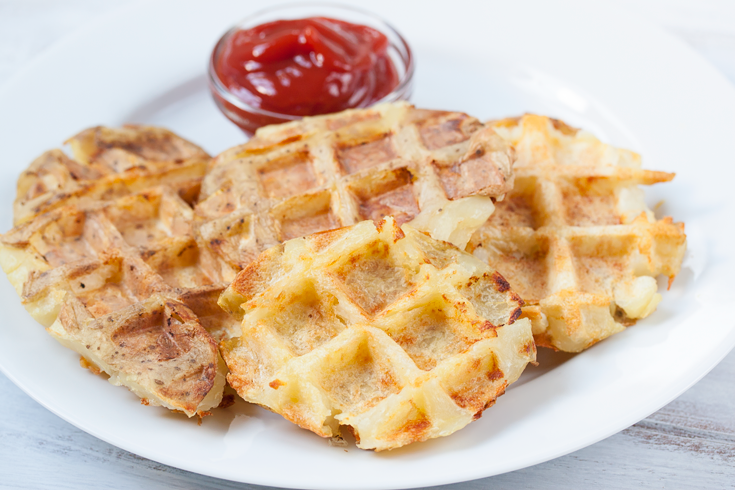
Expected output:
(250, 118)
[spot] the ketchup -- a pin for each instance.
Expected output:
(307, 66)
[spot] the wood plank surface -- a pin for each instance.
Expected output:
(690, 443)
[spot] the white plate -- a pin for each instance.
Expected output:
(592, 66)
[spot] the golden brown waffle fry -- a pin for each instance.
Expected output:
(400, 337)
(117, 279)
(575, 238)
(109, 163)
(439, 170)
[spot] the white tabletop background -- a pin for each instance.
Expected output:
(690, 443)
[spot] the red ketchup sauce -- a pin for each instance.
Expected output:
(302, 67)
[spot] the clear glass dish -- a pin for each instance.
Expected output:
(250, 118)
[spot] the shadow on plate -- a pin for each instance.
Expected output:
(548, 360)
(150, 110)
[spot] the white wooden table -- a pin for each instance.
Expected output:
(690, 443)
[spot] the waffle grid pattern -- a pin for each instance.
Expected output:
(118, 281)
(401, 338)
(331, 171)
(121, 285)
(575, 238)
(109, 163)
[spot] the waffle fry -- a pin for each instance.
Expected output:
(118, 279)
(109, 163)
(439, 170)
(402, 338)
(575, 238)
